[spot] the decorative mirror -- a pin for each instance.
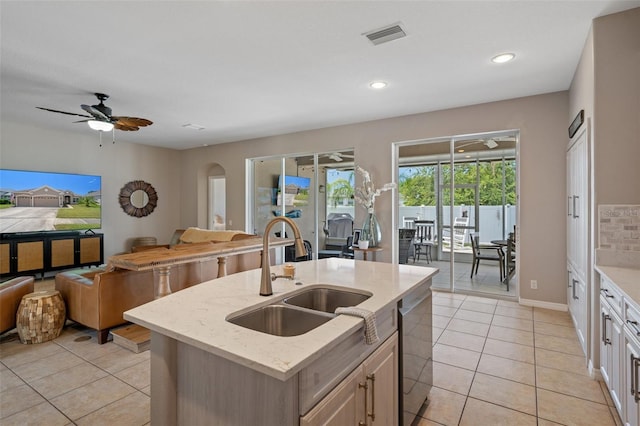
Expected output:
(138, 198)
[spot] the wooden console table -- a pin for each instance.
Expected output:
(162, 260)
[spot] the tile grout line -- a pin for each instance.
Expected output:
(68, 350)
(37, 392)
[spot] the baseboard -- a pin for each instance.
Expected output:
(542, 304)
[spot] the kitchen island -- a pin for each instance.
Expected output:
(206, 370)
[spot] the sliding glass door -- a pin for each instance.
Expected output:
(472, 189)
(314, 190)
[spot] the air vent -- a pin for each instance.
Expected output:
(383, 35)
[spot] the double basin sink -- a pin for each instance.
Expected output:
(299, 313)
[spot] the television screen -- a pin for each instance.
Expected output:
(296, 190)
(42, 201)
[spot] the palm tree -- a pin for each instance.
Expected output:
(339, 190)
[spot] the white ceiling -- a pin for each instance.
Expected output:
(250, 69)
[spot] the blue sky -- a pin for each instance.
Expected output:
(334, 174)
(20, 180)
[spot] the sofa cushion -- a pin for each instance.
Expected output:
(11, 293)
(197, 235)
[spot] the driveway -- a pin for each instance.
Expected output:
(24, 219)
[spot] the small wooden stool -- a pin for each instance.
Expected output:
(40, 316)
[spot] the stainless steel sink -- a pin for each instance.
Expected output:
(280, 320)
(326, 299)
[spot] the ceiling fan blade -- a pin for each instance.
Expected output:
(63, 112)
(132, 121)
(94, 112)
(125, 127)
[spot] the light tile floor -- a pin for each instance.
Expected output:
(499, 363)
(495, 363)
(485, 282)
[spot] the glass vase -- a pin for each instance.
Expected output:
(371, 230)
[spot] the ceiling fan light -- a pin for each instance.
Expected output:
(503, 57)
(102, 126)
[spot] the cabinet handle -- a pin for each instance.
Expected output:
(634, 377)
(372, 377)
(605, 340)
(573, 290)
(364, 386)
(634, 325)
(606, 293)
(575, 197)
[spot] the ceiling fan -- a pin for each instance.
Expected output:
(339, 156)
(100, 117)
(490, 143)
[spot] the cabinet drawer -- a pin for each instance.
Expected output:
(611, 295)
(632, 319)
(323, 375)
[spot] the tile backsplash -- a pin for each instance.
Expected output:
(619, 227)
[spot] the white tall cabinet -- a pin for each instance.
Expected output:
(578, 221)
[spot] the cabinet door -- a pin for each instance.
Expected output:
(616, 360)
(381, 373)
(63, 252)
(581, 311)
(631, 355)
(30, 256)
(90, 250)
(605, 342)
(5, 258)
(343, 406)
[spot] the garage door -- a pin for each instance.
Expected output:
(23, 201)
(45, 202)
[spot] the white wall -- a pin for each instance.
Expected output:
(542, 121)
(30, 148)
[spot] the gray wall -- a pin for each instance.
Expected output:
(542, 121)
(26, 147)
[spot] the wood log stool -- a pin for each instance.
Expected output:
(40, 316)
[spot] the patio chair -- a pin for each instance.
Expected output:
(510, 264)
(459, 233)
(347, 250)
(486, 252)
(423, 239)
(409, 222)
(405, 244)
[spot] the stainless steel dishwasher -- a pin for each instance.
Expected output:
(415, 360)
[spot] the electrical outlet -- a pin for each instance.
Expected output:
(230, 222)
(534, 284)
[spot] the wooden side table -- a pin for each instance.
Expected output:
(40, 316)
(367, 250)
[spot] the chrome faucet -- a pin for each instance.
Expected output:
(267, 277)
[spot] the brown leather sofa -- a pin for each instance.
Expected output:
(11, 293)
(97, 298)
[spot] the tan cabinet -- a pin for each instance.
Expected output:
(5, 258)
(40, 252)
(368, 396)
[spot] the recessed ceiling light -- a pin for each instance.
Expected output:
(503, 57)
(461, 150)
(378, 84)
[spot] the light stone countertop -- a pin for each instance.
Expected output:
(627, 279)
(196, 315)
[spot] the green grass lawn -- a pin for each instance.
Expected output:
(79, 212)
(5, 206)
